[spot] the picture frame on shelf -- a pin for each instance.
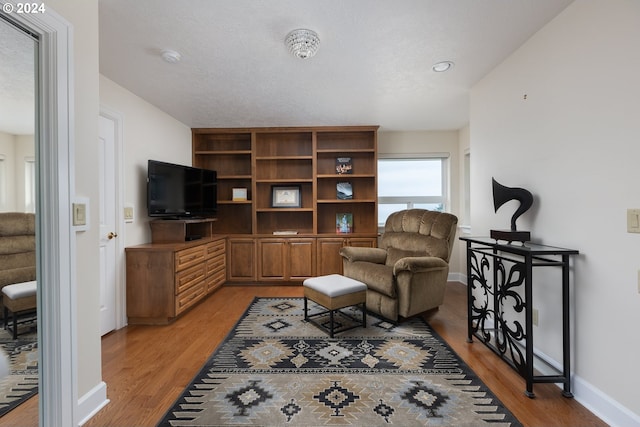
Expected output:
(344, 165)
(344, 223)
(344, 191)
(288, 196)
(239, 194)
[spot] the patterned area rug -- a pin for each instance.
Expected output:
(22, 382)
(275, 369)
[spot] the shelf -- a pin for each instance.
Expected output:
(258, 159)
(235, 202)
(347, 201)
(296, 180)
(284, 158)
(346, 150)
(223, 152)
(226, 177)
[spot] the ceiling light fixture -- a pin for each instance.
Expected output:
(170, 56)
(441, 67)
(302, 43)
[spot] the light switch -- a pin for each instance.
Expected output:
(79, 214)
(128, 213)
(633, 220)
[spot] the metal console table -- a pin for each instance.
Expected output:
(497, 272)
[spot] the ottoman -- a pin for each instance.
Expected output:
(17, 298)
(334, 292)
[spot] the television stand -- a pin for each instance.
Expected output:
(181, 230)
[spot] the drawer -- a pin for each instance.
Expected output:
(215, 248)
(188, 257)
(189, 297)
(190, 277)
(216, 264)
(216, 280)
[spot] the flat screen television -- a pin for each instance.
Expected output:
(176, 191)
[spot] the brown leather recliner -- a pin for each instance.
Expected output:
(407, 274)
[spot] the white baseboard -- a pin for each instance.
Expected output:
(457, 277)
(92, 402)
(602, 405)
(592, 398)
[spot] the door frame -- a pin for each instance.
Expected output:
(121, 294)
(56, 248)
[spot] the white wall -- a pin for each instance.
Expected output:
(574, 143)
(148, 133)
(84, 18)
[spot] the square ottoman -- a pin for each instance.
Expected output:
(334, 292)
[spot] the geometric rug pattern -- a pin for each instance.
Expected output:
(275, 369)
(22, 381)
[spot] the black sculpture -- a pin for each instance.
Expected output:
(501, 195)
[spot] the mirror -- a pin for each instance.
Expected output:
(18, 53)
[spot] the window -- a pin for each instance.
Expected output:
(411, 182)
(30, 185)
(3, 184)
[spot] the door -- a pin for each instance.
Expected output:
(107, 222)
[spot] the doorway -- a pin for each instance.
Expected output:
(18, 198)
(56, 253)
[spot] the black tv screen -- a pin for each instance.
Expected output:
(180, 191)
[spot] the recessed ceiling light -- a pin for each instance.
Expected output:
(441, 67)
(170, 56)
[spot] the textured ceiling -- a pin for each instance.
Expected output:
(17, 83)
(373, 65)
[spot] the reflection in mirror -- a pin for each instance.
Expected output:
(18, 196)
(17, 119)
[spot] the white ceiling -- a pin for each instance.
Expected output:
(17, 81)
(373, 65)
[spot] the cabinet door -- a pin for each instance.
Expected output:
(329, 259)
(272, 256)
(302, 253)
(241, 260)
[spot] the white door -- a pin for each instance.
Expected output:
(108, 224)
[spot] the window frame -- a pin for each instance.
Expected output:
(411, 201)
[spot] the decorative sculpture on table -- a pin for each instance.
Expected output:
(503, 194)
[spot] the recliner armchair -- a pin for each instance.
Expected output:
(407, 273)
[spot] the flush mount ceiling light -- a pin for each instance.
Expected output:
(441, 67)
(170, 56)
(302, 43)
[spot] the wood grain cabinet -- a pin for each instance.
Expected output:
(329, 260)
(256, 160)
(165, 279)
(282, 259)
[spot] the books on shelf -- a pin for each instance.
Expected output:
(344, 191)
(344, 165)
(344, 223)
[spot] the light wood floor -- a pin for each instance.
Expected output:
(147, 367)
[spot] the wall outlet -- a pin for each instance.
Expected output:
(534, 317)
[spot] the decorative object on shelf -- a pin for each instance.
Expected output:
(285, 232)
(503, 194)
(285, 196)
(344, 223)
(344, 165)
(302, 43)
(239, 194)
(344, 191)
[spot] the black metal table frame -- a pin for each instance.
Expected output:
(504, 286)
